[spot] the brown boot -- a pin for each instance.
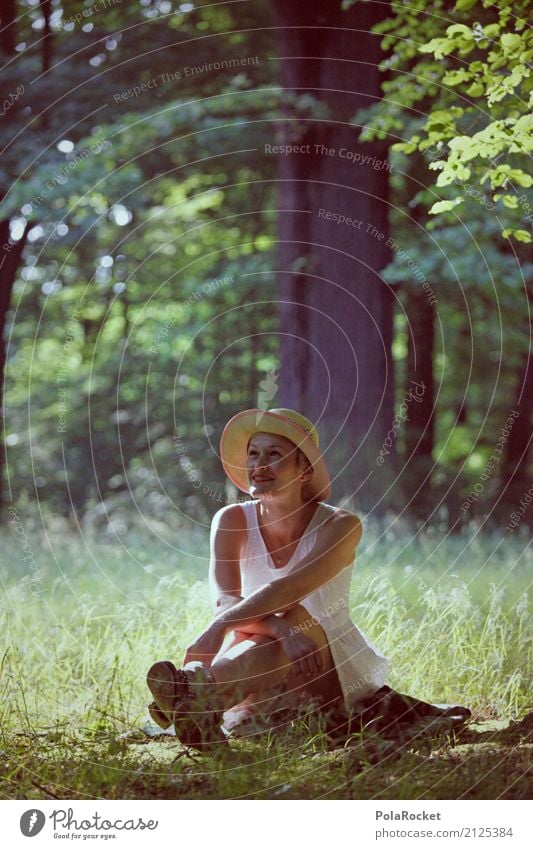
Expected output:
(158, 716)
(187, 698)
(168, 685)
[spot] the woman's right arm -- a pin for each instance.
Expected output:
(228, 530)
(228, 534)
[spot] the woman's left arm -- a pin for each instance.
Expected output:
(333, 552)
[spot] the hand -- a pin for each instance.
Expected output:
(207, 645)
(303, 653)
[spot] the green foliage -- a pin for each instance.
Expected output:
(147, 236)
(157, 222)
(460, 92)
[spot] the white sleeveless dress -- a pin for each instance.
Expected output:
(361, 668)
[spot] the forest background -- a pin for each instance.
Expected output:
(207, 207)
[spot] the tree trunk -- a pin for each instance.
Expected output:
(8, 31)
(10, 256)
(10, 252)
(515, 478)
(46, 9)
(419, 397)
(336, 312)
(515, 470)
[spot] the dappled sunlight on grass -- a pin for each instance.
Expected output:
(76, 648)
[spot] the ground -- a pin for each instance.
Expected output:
(451, 614)
(486, 760)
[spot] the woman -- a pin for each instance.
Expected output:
(280, 579)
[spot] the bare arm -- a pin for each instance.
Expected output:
(228, 531)
(333, 552)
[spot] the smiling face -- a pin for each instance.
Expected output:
(275, 465)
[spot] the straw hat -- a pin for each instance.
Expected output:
(282, 422)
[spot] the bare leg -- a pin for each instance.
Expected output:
(257, 665)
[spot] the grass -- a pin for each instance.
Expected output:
(451, 613)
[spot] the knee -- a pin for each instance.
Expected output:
(240, 655)
(300, 619)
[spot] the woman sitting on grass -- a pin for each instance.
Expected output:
(280, 576)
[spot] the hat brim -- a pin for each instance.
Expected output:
(240, 429)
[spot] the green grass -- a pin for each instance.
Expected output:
(450, 613)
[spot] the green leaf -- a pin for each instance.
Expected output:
(511, 43)
(503, 173)
(475, 90)
(456, 77)
(510, 201)
(460, 143)
(445, 205)
(520, 235)
(440, 47)
(404, 147)
(491, 30)
(441, 119)
(460, 29)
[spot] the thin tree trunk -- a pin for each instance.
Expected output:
(46, 9)
(336, 313)
(419, 397)
(515, 475)
(515, 470)
(8, 29)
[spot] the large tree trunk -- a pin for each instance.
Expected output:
(336, 312)
(10, 252)
(10, 256)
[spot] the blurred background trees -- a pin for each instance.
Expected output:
(161, 267)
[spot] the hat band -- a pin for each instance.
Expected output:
(302, 428)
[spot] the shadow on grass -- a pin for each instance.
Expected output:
(297, 762)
